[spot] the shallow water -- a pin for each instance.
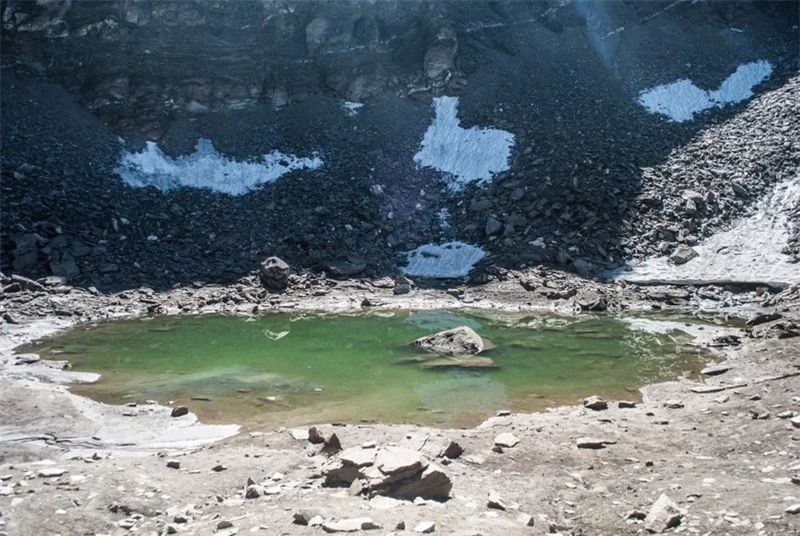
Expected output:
(292, 369)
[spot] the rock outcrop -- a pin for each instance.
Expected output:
(390, 471)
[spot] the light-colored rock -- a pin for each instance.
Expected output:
(526, 520)
(793, 509)
(425, 527)
(304, 516)
(663, 515)
(506, 439)
(495, 501)
(466, 363)
(50, 472)
(715, 370)
(454, 342)
(795, 421)
(350, 525)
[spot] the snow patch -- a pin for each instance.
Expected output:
(351, 108)
(681, 99)
(465, 154)
(748, 252)
(206, 168)
(450, 260)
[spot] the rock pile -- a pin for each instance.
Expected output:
(391, 471)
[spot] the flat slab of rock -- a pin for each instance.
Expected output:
(466, 363)
(663, 515)
(350, 525)
(716, 370)
(425, 527)
(506, 439)
(454, 342)
(594, 443)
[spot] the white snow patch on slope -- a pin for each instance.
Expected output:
(450, 260)
(682, 99)
(465, 154)
(206, 168)
(748, 252)
(351, 108)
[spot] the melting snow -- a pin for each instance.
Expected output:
(351, 108)
(453, 259)
(682, 99)
(206, 168)
(466, 154)
(749, 252)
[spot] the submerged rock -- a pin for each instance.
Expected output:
(453, 342)
(459, 362)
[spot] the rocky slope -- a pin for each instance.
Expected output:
(594, 179)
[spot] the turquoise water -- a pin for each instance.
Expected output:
(291, 369)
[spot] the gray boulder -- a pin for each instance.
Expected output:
(663, 515)
(682, 255)
(390, 471)
(274, 273)
(453, 342)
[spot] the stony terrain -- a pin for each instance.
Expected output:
(721, 449)
(594, 182)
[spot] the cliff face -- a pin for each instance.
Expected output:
(136, 63)
(592, 178)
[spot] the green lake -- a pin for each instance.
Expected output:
(292, 369)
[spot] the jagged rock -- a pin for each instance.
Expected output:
(493, 226)
(495, 501)
(452, 451)
(682, 254)
(331, 445)
(777, 329)
(392, 471)
(25, 252)
(315, 436)
(761, 318)
(663, 515)
(592, 301)
(454, 342)
(274, 273)
(506, 439)
(526, 520)
(596, 403)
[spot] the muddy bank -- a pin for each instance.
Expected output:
(712, 446)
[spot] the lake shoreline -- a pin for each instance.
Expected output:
(680, 438)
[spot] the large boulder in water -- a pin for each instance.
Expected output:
(274, 273)
(453, 342)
